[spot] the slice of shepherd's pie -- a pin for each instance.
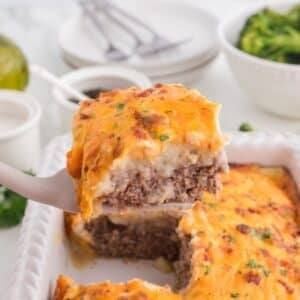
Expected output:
(134, 148)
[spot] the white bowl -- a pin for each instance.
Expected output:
(19, 130)
(273, 86)
(93, 78)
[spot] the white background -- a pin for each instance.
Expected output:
(34, 24)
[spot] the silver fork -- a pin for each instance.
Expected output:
(112, 52)
(157, 45)
(109, 5)
(102, 7)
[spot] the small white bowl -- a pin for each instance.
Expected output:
(93, 78)
(19, 130)
(273, 86)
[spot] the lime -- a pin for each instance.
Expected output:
(13, 66)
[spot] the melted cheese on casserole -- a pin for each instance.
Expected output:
(138, 124)
(132, 290)
(245, 243)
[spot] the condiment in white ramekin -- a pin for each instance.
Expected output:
(19, 130)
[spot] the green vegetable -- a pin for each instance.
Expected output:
(245, 127)
(13, 66)
(120, 106)
(234, 295)
(207, 270)
(282, 272)
(266, 235)
(262, 235)
(12, 208)
(273, 36)
(252, 264)
(163, 137)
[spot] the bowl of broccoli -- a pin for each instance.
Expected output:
(262, 46)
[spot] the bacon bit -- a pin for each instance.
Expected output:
(84, 116)
(289, 248)
(267, 254)
(253, 210)
(206, 255)
(87, 103)
(150, 120)
(241, 211)
(227, 250)
(146, 92)
(252, 277)
(243, 228)
(279, 241)
(139, 132)
(158, 85)
(288, 289)
(118, 150)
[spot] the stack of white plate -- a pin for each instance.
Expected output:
(174, 20)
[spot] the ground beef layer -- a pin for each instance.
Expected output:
(186, 184)
(146, 238)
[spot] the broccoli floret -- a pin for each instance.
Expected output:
(273, 36)
(245, 127)
(294, 16)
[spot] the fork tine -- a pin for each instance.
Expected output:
(131, 17)
(163, 47)
(119, 23)
(112, 52)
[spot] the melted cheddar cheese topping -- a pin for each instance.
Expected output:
(138, 124)
(132, 290)
(245, 243)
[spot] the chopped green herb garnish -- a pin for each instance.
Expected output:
(266, 235)
(234, 295)
(252, 264)
(266, 272)
(231, 239)
(245, 127)
(163, 137)
(168, 111)
(262, 235)
(120, 106)
(207, 270)
(282, 272)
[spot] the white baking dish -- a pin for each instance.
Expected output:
(42, 253)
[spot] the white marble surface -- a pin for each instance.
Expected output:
(34, 25)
